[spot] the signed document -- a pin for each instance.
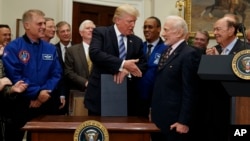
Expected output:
(113, 96)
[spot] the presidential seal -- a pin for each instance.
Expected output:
(91, 130)
(241, 64)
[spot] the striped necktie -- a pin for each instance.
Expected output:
(225, 51)
(122, 49)
(89, 61)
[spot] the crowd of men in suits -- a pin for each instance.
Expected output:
(36, 68)
(163, 85)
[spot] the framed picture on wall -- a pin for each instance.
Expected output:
(202, 14)
(19, 28)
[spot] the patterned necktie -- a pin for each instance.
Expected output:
(89, 62)
(225, 51)
(122, 49)
(149, 50)
(164, 58)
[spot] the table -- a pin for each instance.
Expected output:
(62, 128)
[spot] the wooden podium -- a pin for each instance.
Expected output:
(62, 128)
(242, 112)
(219, 67)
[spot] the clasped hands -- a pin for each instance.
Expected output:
(129, 68)
(43, 96)
(212, 51)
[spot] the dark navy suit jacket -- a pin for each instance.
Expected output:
(173, 94)
(104, 54)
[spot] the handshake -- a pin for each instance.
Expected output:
(129, 68)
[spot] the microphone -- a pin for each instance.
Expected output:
(242, 29)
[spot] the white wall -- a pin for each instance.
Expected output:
(1, 11)
(13, 9)
(10, 10)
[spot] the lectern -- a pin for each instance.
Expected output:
(219, 67)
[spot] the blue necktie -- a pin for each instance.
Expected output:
(122, 49)
(225, 51)
(149, 50)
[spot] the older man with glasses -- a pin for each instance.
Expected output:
(218, 112)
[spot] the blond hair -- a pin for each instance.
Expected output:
(125, 9)
(28, 15)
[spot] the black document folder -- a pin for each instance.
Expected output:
(113, 96)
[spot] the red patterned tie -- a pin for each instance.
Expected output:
(164, 58)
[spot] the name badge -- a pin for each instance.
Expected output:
(47, 56)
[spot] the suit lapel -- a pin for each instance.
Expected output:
(174, 54)
(114, 39)
(82, 56)
(59, 52)
(129, 46)
(237, 47)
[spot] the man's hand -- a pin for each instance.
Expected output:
(86, 84)
(2, 48)
(19, 87)
(180, 128)
(44, 95)
(149, 114)
(35, 104)
(131, 67)
(63, 101)
(212, 51)
(119, 77)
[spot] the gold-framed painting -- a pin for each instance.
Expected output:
(19, 28)
(202, 14)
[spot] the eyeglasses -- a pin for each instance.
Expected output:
(219, 29)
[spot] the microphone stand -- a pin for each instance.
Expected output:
(242, 30)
